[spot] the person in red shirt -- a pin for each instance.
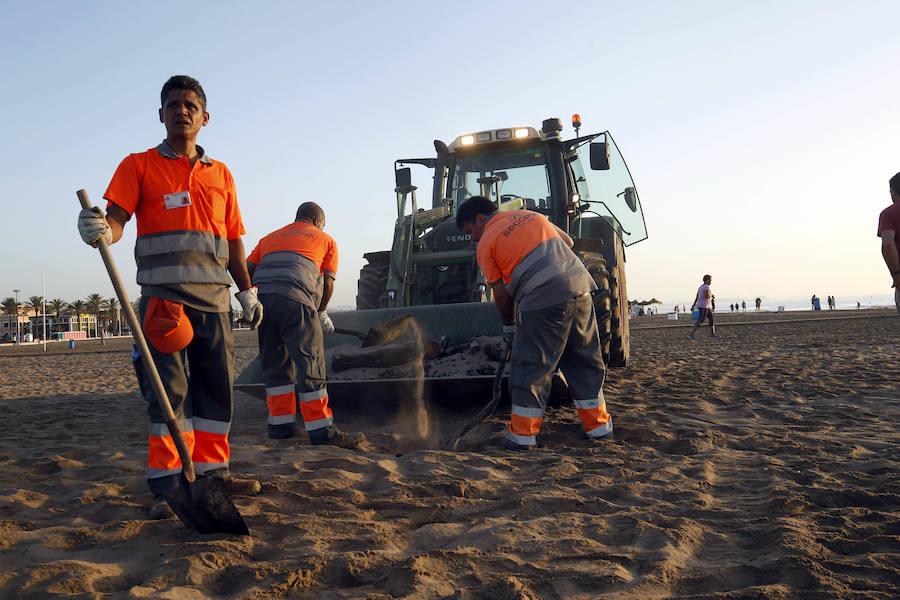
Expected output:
(294, 269)
(888, 226)
(543, 294)
(189, 232)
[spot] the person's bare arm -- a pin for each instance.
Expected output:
(506, 306)
(565, 237)
(237, 264)
(889, 253)
(116, 219)
(327, 290)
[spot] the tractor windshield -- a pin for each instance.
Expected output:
(505, 176)
(608, 194)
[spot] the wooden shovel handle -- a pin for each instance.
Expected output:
(187, 465)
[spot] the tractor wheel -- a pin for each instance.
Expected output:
(596, 266)
(620, 340)
(372, 285)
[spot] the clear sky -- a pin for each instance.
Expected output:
(760, 135)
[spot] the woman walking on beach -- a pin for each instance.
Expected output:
(704, 302)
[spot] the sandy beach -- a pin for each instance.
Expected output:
(760, 464)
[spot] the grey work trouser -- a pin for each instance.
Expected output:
(563, 336)
(290, 337)
(202, 400)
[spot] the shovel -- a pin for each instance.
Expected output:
(453, 442)
(200, 503)
(381, 333)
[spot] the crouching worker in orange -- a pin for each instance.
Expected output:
(543, 294)
(189, 232)
(294, 269)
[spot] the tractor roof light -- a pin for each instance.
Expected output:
(576, 121)
(493, 136)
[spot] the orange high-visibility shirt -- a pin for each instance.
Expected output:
(303, 238)
(144, 180)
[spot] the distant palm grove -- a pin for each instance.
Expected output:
(95, 315)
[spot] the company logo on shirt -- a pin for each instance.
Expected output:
(517, 220)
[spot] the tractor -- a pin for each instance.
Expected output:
(582, 185)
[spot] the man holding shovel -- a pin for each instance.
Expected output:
(294, 269)
(542, 292)
(189, 231)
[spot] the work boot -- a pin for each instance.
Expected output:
(335, 437)
(325, 435)
(242, 487)
(160, 509)
(282, 431)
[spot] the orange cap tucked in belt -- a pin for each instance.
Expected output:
(166, 326)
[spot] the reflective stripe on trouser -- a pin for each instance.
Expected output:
(202, 402)
(562, 336)
(290, 337)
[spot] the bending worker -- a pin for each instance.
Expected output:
(189, 232)
(543, 294)
(294, 269)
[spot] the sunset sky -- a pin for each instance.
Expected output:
(759, 134)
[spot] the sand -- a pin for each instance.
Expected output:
(762, 464)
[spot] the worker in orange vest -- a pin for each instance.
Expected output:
(543, 294)
(294, 269)
(189, 232)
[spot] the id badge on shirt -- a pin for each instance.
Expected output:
(177, 200)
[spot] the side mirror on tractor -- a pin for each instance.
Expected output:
(631, 198)
(599, 156)
(403, 177)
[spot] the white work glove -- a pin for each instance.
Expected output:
(93, 227)
(253, 311)
(509, 333)
(325, 320)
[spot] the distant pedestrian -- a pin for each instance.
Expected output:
(744, 305)
(705, 302)
(758, 303)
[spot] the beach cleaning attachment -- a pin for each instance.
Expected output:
(200, 503)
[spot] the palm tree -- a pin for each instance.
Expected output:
(36, 303)
(94, 302)
(57, 305)
(11, 307)
(78, 307)
(111, 307)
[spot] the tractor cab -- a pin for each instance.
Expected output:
(582, 185)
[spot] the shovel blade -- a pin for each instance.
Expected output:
(205, 506)
(382, 333)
